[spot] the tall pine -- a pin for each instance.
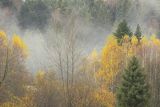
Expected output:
(138, 32)
(122, 30)
(133, 91)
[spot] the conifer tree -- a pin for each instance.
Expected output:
(138, 32)
(6, 3)
(122, 30)
(34, 14)
(133, 91)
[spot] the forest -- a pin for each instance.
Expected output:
(79, 53)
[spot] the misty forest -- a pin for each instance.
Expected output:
(79, 53)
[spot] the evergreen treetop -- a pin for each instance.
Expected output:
(122, 30)
(138, 32)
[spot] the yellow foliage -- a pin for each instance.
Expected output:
(111, 57)
(40, 75)
(155, 40)
(111, 60)
(126, 38)
(25, 101)
(130, 52)
(134, 40)
(105, 97)
(16, 41)
(144, 40)
(3, 37)
(153, 36)
(19, 43)
(94, 54)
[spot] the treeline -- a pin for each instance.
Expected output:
(38, 13)
(125, 73)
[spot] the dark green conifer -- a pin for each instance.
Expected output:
(133, 91)
(138, 32)
(122, 30)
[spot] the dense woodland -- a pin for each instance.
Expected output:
(125, 72)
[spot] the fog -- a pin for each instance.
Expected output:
(90, 36)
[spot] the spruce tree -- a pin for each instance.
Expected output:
(138, 32)
(122, 30)
(133, 91)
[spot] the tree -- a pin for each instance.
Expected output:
(6, 3)
(48, 90)
(122, 30)
(138, 32)
(13, 53)
(4, 56)
(133, 91)
(34, 14)
(111, 62)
